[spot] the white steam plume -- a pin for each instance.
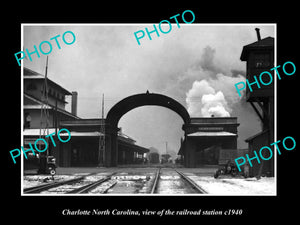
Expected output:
(206, 97)
(203, 100)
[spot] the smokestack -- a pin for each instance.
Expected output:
(74, 103)
(258, 34)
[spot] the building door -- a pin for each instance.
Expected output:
(75, 157)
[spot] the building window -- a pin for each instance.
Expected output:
(262, 60)
(52, 92)
(27, 120)
(43, 89)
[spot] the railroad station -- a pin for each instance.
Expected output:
(100, 142)
(204, 137)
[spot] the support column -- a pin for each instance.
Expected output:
(111, 146)
(114, 149)
(190, 156)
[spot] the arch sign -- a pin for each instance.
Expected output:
(124, 106)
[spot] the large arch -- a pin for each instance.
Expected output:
(124, 106)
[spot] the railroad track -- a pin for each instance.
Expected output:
(189, 182)
(104, 184)
(56, 184)
(44, 187)
(87, 188)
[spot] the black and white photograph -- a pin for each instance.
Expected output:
(160, 116)
(125, 114)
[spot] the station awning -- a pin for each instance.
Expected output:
(212, 134)
(133, 147)
(36, 132)
(83, 134)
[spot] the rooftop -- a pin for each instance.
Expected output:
(37, 104)
(213, 120)
(32, 75)
(212, 134)
(266, 43)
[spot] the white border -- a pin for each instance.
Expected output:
(146, 24)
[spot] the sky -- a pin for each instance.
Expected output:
(196, 64)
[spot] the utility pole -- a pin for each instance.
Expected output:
(44, 128)
(101, 152)
(166, 147)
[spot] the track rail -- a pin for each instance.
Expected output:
(191, 182)
(155, 183)
(44, 187)
(91, 186)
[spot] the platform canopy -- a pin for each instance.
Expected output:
(36, 132)
(212, 134)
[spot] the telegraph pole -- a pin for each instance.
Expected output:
(44, 129)
(101, 152)
(166, 147)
